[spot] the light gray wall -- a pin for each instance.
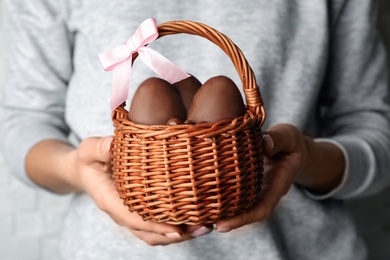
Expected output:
(29, 220)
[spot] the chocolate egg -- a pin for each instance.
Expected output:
(155, 102)
(187, 89)
(218, 99)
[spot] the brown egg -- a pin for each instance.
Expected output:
(187, 89)
(156, 102)
(218, 99)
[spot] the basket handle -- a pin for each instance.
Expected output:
(245, 72)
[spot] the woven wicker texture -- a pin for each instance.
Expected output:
(192, 174)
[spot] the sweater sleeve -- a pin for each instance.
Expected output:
(34, 92)
(355, 99)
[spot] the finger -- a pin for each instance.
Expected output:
(168, 230)
(198, 230)
(94, 149)
(269, 197)
(257, 213)
(109, 201)
(276, 184)
(154, 239)
(281, 138)
(191, 231)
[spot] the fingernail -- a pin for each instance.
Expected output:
(268, 139)
(174, 235)
(223, 229)
(201, 232)
(106, 146)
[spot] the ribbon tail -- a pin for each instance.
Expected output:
(120, 83)
(162, 66)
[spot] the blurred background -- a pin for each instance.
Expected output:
(30, 220)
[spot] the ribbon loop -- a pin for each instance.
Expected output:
(131, 46)
(119, 60)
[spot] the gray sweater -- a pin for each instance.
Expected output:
(319, 65)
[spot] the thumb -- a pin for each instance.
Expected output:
(273, 143)
(268, 144)
(106, 144)
(282, 138)
(105, 148)
(96, 149)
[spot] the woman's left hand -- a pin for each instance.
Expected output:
(290, 157)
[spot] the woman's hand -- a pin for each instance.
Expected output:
(290, 157)
(94, 172)
(61, 168)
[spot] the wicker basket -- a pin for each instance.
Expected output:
(192, 174)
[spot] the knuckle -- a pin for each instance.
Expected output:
(101, 205)
(267, 210)
(81, 154)
(106, 167)
(83, 150)
(86, 147)
(152, 241)
(135, 228)
(267, 213)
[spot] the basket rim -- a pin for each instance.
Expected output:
(200, 130)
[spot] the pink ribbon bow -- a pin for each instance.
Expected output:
(119, 60)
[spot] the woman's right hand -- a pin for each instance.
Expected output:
(93, 175)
